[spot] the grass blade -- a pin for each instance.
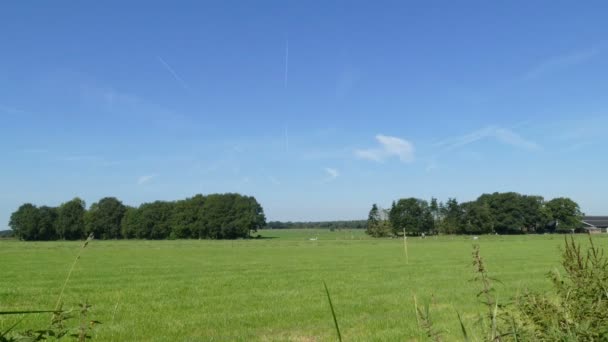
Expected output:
(26, 312)
(11, 328)
(333, 313)
(463, 328)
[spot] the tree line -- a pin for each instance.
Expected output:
(215, 216)
(352, 224)
(501, 213)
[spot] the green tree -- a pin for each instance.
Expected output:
(130, 224)
(70, 220)
(104, 218)
(435, 210)
(506, 209)
(452, 220)
(372, 219)
(154, 220)
(535, 215)
(565, 212)
(188, 219)
(47, 224)
(231, 216)
(377, 225)
(411, 214)
(476, 218)
(24, 222)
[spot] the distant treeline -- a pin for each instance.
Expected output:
(355, 224)
(216, 216)
(502, 213)
(6, 234)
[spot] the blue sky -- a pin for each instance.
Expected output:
(317, 108)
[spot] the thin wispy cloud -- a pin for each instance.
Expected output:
(389, 147)
(145, 179)
(88, 159)
(80, 158)
(286, 62)
(331, 173)
(500, 134)
(562, 62)
(286, 140)
(172, 72)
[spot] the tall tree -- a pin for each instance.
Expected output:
(70, 220)
(103, 219)
(24, 222)
(476, 218)
(155, 220)
(534, 213)
(452, 217)
(411, 214)
(130, 225)
(187, 219)
(372, 218)
(377, 225)
(565, 212)
(47, 224)
(506, 209)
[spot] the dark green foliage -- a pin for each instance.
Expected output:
(231, 216)
(377, 224)
(565, 213)
(218, 216)
(129, 225)
(188, 218)
(70, 221)
(506, 209)
(411, 214)
(47, 223)
(154, 220)
(452, 217)
(103, 219)
(476, 218)
(502, 213)
(24, 222)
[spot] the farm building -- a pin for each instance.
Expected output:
(595, 224)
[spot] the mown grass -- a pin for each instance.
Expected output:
(271, 289)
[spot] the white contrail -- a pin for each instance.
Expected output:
(175, 75)
(286, 61)
(286, 140)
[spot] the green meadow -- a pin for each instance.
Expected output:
(271, 288)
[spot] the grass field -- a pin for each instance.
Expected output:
(270, 289)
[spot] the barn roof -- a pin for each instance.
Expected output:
(596, 221)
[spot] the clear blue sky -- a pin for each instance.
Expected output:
(317, 108)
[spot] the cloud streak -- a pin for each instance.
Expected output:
(331, 174)
(500, 134)
(172, 72)
(562, 62)
(286, 62)
(389, 147)
(145, 179)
